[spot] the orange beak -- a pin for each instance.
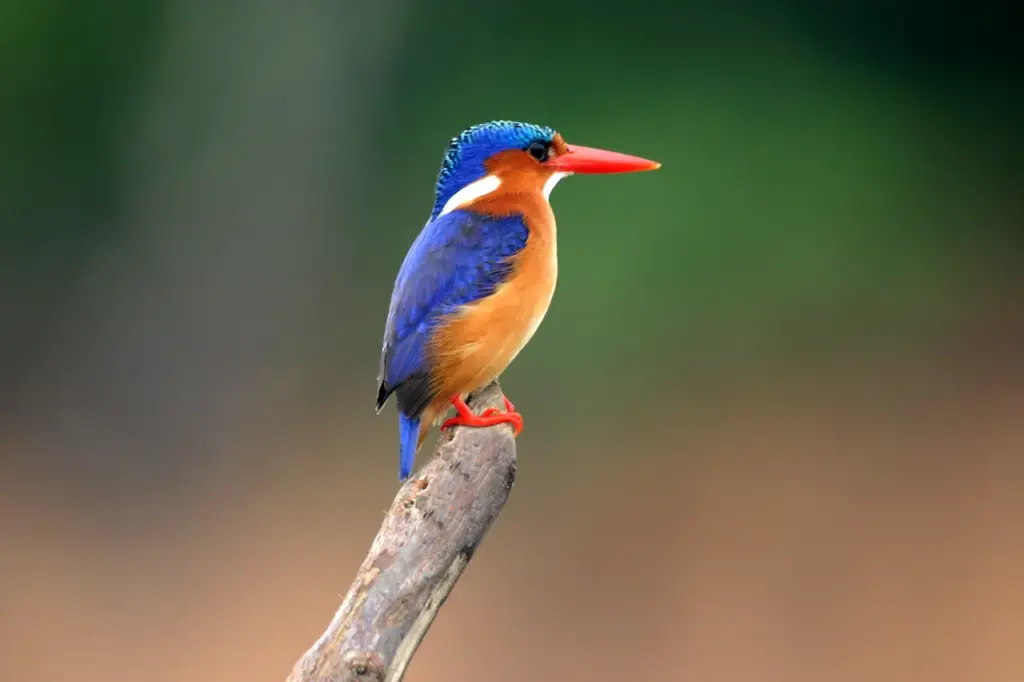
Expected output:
(587, 160)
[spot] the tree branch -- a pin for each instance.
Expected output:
(436, 522)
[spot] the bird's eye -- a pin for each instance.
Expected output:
(539, 150)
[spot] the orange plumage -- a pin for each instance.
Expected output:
(479, 279)
(474, 346)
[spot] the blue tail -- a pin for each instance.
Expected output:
(408, 436)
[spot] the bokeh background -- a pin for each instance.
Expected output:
(775, 417)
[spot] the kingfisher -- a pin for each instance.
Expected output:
(478, 280)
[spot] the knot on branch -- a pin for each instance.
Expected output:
(363, 666)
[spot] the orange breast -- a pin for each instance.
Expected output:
(480, 341)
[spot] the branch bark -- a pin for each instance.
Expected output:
(434, 526)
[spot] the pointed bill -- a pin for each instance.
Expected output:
(588, 160)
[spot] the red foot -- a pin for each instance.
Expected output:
(489, 417)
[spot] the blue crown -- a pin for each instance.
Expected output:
(465, 156)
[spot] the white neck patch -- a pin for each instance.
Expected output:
(471, 193)
(550, 183)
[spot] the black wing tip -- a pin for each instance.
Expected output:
(383, 392)
(413, 393)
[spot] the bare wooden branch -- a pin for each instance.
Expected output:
(436, 522)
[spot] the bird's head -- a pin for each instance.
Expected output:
(521, 158)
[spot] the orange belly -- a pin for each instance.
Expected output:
(476, 344)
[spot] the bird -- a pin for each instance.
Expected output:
(478, 279)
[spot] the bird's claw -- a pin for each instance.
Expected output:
(489, 417)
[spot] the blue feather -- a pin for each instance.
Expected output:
(408, 439)
(457, 259)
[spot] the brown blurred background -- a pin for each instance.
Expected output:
(774, 420)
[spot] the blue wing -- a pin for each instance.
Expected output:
(458, 258)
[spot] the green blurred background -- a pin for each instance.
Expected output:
(774, 418)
